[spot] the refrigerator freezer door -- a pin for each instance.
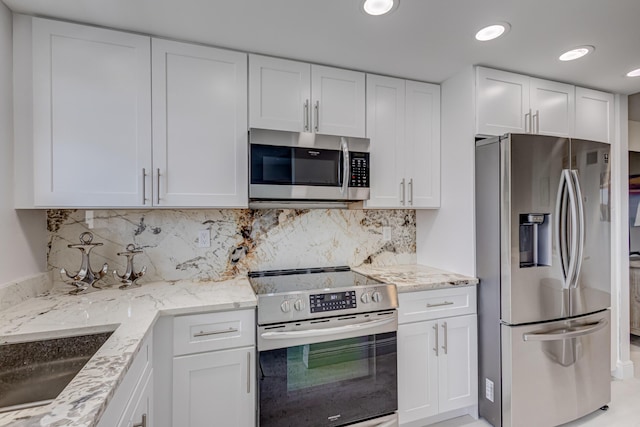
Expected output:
(533, 285)
(591, 290)
(555, 372)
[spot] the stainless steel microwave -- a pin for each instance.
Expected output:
(291, 166)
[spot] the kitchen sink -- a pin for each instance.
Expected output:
(34, 373)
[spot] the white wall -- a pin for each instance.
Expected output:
(23, 233)
(634, 135)
(445, 237)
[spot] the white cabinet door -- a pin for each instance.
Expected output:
(91, 115)
(502, 102)
(422, 153)
(215, 389)
(594, 115)
(386, 130)
(552, 107)
(279, 94)
(338, 101)
(199, 126)
(142, 411)
(457, 371)
(417, 371)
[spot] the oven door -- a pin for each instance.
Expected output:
(281, 172)
(328, 372)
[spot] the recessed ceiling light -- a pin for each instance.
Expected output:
(379, 7)
(576, 53)
(634, 73)
(493, 31)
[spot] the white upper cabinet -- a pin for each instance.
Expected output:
(338, 98)
(502, 101)
(95, 142)
(422, 133)
(403, 123)
(91, 135)
(385, 128)
(509, 102)
(279, 94)
(199, 125)
(299, 97)
(594, 115)
(552, 108)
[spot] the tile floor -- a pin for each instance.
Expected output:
(624, 409)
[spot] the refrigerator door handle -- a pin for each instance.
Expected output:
(580, 232)
(566, 333)
(573, 231)
(561, 224)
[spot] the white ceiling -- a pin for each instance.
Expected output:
(427, 40)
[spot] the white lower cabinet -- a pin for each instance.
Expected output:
(132, 403)
(437, 357)
(214, 379)
(214, 389)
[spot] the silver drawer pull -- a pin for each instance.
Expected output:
(218, 332)
(142, 423)
(440, 304)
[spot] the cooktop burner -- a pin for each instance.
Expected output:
(290, 295)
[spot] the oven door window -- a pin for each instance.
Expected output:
(330, 383)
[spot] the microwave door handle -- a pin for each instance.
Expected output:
(345, 165)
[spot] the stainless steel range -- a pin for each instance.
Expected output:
(327, 348)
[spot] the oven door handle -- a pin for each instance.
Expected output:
(327, 331)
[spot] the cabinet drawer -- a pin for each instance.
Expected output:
(213, 331)
(438, 303)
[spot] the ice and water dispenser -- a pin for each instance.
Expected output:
(535, 239)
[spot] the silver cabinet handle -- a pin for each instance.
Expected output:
(565, 333)
(411, 191)
(158, 189)
(440, 304)
(306, 115)
(402, 192)
(216, 332)
(249, 372)
(316, 109)
(537, 121)
(143, 423)
(446, 333)
(144, 186)
(527, 121)
(435, 328)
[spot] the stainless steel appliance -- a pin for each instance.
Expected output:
(543, 259)
(289, 166)
(327, 348)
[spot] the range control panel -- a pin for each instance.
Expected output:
(359, 169)
(332, 301)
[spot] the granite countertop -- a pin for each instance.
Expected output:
(132, 313)
(415, 277)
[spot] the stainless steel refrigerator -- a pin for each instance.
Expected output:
(543, 260)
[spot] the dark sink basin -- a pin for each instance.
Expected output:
(34, 373)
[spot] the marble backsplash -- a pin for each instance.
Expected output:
(241, 240)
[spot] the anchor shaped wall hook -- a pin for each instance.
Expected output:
(130, 277)
(85, 279)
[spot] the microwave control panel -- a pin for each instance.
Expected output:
(359, 169)
(332, 301)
